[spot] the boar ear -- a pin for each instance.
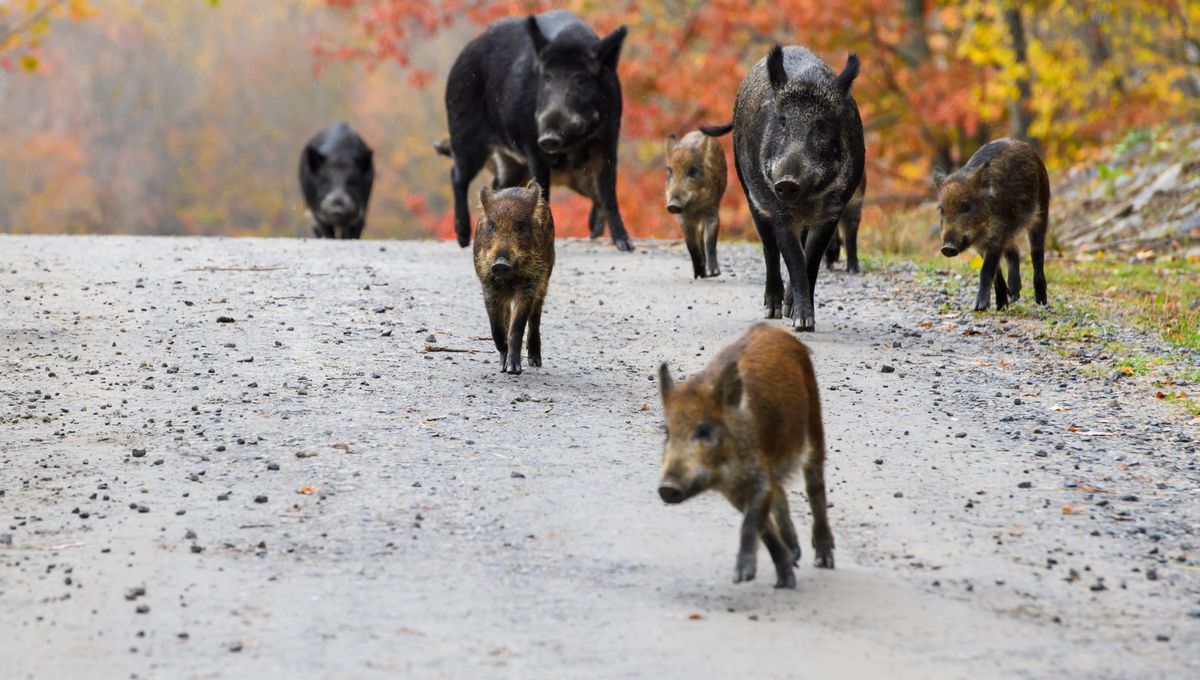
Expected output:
(846, 78)
(729, 385)
(608, 50)
(939, 177)
(313, 159)
(671, 140)
(366, 160)
(485, 198)
(775, 70)
(665, 383)
(535, 34)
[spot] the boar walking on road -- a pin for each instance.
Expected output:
(538, 97)
(514, 255)
(741, 427)
(1002, 191)
(798, 150)
(695, 184)
(337, 169)
(847, 235)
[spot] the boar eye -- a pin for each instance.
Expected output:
(693, 172)
(670, 171)
(783, 121)
(705, 432)
(966, 208)
(578, 79)
(522, 226)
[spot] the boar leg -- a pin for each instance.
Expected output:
(822, 536)
(691, 237)
(1037, 253)
(781, 555)
(595, 222)
(608, 202)
(1001, 289)
(499, 310)
(468, 161)
(1012, 257)
(782, 517)
(815, 244)
(850, 221)
(535, 332)
(712, 226)
(833, 251)
(987, 275)
(522, 305)
(752, 525)
(803, 316)
(773, 297)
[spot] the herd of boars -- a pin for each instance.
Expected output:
(537, 101)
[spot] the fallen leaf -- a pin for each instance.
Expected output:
(1060, 407)
(970, 331)
(341, 445)
(645, 407)
(1068, 510)
(925, 324)
(306, 490)
(1126, 369)
(1160, 395)
(695, 616)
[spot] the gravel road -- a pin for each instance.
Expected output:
(286, 458)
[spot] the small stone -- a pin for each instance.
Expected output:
(517, 475)
(197, 548)
(386, 334)
(138, 453)
(879, 461)
(1194, 612)
(143, 609)
(1151, 574)
(224, 319)
(1130, 498)
(379, 309)
(431, 338)
(960, 435)
(898, 494)
(1016, 402)
(134, 593)
(189, 535)
(416, 485)
(235, 647)
(143, 509)
(1162, 638)
(223, 496)
(887, 369)
(1025, 485)
(260, 499)
(1041, 453)
(272, 466)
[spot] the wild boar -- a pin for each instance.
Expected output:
(695, 184)
(540, 96)
(798, 151)
(1001, 191)
(848, 234)
(741, 427)
(337, 169)
(514, 255)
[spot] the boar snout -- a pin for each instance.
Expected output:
(949, 250)
(675, 206)
(339, 204)
(502, 266)
(671, 493)
(787, 189)
(550, 141)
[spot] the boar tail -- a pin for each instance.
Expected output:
(443, 148)
(717, 130)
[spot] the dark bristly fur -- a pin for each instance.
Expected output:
(695, 184)
(798, 150)
(538, 98)
(337, 169)
(1002, 191)
(741, 427)
(514, 255)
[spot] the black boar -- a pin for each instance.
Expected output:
(695, 184)
(337, 170)
(848, 235)
(798, 150)
(514, 255)
(539, 98)
(1002, 191)
(741, 427)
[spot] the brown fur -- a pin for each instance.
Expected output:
(741, 427)
(696, 176)
(1002, 191)
(515, 229)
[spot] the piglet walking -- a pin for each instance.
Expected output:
(741, 427)
(514, 255)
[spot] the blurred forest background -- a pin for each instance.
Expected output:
(187, 116)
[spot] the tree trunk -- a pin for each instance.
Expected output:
(1019, 115)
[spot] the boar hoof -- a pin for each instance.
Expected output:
(714, 273)
(852, 267)
(981, 306)
(824, 560)
(535, 360)
(786, 579)
(788, 311)
(623, 244)
(803, 324)
(772, 312)
(746, 568)
(514, 367)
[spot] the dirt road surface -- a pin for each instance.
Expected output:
(244, 458)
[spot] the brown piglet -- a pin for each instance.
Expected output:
(696, 178)
(1002, 191)
(741, 427)
(514, 255)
